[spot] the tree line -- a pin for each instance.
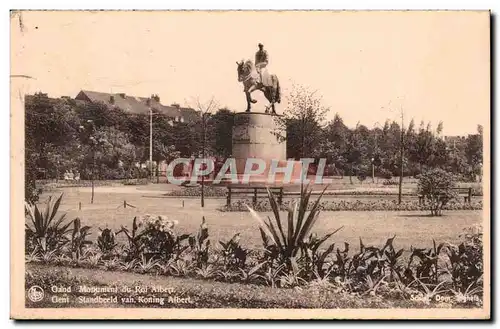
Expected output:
(93, 139)
(362, 151)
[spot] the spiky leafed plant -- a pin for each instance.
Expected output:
(287, 242)
(106, 241)
(79, 238)
(206, 272)
(147, 265)
(233, 253)
(136, 244)
(251, 275)
(46, 232)
(200, 245)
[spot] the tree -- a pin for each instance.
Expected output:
(205, 109)
(50, 126)
(422, 148)
(474, 151)
(334, 143)
(303, 121)
(220, 130)
(436, 185)
(94, 148)
(163, 141)
(356, 151)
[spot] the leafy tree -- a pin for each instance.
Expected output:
(53, 143)
(355, 151)
(95, 147)
(422, 148)
(474, 151)
(302, 119)
(436, 185)
(220, 129)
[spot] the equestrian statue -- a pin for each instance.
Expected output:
(256, 77)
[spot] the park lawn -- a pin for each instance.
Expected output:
(198, 293)
(374, 227)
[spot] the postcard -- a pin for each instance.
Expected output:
(250, 165)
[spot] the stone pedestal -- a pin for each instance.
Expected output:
(254, 136)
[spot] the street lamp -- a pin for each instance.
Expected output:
(150, 143)
(90, 129)
(402, 141)
(151, 139)
(373, 170)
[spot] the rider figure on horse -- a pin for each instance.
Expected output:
(261, 60)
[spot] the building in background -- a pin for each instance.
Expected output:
(139, 105)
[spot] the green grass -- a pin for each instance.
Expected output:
(411, 228)
(198, 293)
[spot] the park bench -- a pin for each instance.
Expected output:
(465, 192)
(254, 191)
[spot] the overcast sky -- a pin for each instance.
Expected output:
(435, 65)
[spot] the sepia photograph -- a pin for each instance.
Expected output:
(250, 164)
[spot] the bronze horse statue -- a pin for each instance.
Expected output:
(248, 74)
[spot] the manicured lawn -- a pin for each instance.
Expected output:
(195, 293)
(411, 228)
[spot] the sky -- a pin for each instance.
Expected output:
(366, 66)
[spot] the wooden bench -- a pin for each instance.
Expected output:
(466, 192)
(254, 191)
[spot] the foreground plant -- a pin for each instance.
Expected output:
(160, 239)
(464, 262)
(200, 245)
(47, 231)
(79, 238)
(233, 254)
(284, 244)
(135, 246)
(106, 241)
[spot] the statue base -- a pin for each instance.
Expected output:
(255, 140)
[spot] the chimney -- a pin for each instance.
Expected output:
(122, 95)
(175, 105)
(112, 99)
(156, 98)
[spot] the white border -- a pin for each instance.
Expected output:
(185, 4)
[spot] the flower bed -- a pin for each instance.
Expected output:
(292, 256)
(355, 205)
(209, 191)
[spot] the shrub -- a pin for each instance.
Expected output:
(436, 185)
(362, 177)
(209, 191)
(136, 181)
(159, 237)
(384, 173)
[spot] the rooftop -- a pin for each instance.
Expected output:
(137, 105)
